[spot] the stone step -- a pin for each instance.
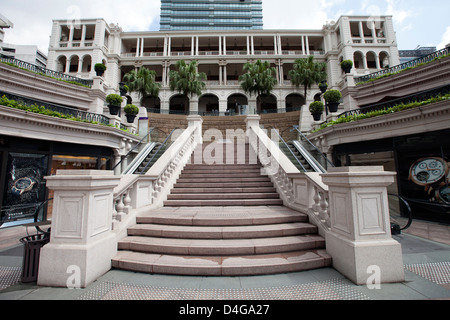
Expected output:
(215, 247)
(223, 185)
(223, 189)
(224, 179)
(204, 167)
(222, 196)
(222, 232)
(222, 216)
(223, 203)
(235, 174)
(222, 266)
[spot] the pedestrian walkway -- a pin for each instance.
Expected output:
(426, 263)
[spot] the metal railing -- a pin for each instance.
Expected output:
(416, 97)
(67, 111)
(403, 66)
(161, 149)
(285, 146)
(44, 71)
(313, 150)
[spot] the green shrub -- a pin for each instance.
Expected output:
(346, 64)
(131, 109)
(316, 107)
(332, 96)
(114, 99)
(99, 67)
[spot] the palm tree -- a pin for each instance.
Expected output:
(187, 80)
(143, 82)
(259, 78)
(306, 72)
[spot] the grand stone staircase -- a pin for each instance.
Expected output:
(222, 220)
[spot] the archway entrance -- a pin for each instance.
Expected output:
(294, 102)
(234, 103)
(208, 104)
(179, 104)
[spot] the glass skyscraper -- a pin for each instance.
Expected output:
(211, 14)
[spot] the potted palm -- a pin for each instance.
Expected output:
(99, 69)
(333, 99)
(316, 108)
(347, 65)
(114, 101)
(130, 112)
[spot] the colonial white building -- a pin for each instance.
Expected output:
(370, 43)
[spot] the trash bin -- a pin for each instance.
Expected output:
(31, 253)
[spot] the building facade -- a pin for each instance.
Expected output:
(221, 55)
(211, 15)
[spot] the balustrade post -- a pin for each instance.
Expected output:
(360, 235)
(81, 230)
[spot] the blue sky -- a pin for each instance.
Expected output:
(417, 22)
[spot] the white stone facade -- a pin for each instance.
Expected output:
(370, 42)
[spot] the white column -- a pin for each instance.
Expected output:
(253, 45)
(275, 46)
(280, 47)
(137, 46)
(196, 46)
(307, 45)
(248, 45)
(220, 45)
(224, 45)
(83, 35)
(303, 45)
(169, 46)
(192, 46)
(361, 32)
(142, 47)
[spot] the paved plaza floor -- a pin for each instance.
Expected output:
(426, 265)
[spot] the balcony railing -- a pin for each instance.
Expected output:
(46, 72)
(67, 111)
(403, 66)
(417, 97)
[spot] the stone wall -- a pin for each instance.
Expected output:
(280, 121)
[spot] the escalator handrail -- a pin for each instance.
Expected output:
(410, 216)
(284, 142)
(137, 144)
(309, 158)
(312, 144)
(157, 151)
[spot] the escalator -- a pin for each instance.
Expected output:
(147, 152)
(302, 152)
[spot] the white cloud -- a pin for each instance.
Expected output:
(445, 39)
(396, 9)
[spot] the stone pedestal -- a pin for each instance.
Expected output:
(82, 243)
(360, 238)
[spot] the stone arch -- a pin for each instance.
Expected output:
(235, 101)
(267, 104)
(178, 104)
(294, 101)
(384, 60)
(208, 103)
(371, 58)
(152, 104)
(61, 64)
(74, 63)
(86, 63)
(358, 60)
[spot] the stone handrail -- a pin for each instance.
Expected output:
(304, 192)
(137, 191)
